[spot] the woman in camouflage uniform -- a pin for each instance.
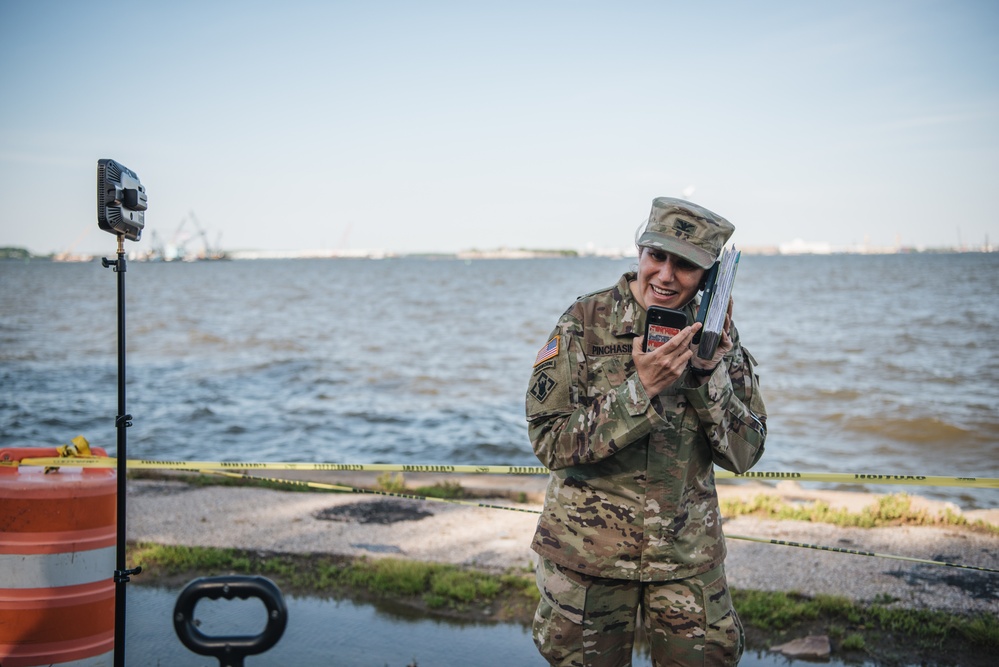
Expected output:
(631, 520)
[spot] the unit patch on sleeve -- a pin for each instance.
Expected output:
(547, 352)
(542, 387)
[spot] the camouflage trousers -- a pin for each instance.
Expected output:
(585, 621)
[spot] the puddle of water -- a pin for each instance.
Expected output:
(344, 634)
(322, 632)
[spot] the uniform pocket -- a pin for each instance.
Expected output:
(564, 595)
(717, 600)
(724, 637)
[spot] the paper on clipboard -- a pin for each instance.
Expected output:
(718, 295)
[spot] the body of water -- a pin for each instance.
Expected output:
(874, 364)
(869, 364)
(340, 633)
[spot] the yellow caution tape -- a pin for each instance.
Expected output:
(835, 477)
(347, 489)
(856, 552)
(234, 468)
(865, 478)
(78, 454)
(146, 464)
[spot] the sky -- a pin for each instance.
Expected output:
(445, 126)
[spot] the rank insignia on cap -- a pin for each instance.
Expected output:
(548, 351)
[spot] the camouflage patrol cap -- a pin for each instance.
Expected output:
(686, 230)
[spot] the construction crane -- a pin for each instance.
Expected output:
(206, 252)
(157, 250)
(177, 248)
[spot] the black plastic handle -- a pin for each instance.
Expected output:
(230, 650)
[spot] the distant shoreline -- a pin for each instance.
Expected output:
(13, 254)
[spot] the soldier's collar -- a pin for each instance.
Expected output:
(627, 317)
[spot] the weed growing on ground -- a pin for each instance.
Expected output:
(774, 611)
(437, 584)
(890, 510)
(445, 490)
(391, 483)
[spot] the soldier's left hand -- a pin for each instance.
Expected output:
(724, 345)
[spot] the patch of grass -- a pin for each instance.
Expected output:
(464, 585)
(446, 490)
(854, 642)
(176, 559)
(398, 577)
(982, 630)
(436, 584)
(884, 598)
(862, 626)
(773, 611)
(434, 601)
(439, 585)
(523, 582)
(392, 483)
(890, 510)
(300, 573)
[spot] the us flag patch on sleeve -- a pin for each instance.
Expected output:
(548, 351)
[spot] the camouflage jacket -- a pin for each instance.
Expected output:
(632, 492)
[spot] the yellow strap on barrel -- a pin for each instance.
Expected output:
(79, 447)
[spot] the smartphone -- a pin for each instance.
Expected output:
(661, 324)
(708, 289)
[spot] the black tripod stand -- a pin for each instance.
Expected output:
(122, 421)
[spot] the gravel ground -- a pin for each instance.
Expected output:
(172, 512)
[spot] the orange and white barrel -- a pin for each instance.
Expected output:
(57, 563)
